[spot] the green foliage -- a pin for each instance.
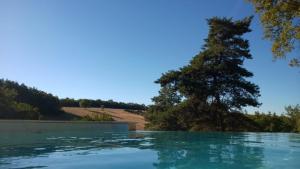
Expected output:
(139, 112)
(271, 122)
(26, 111)
(162, 120)
(281, 22)
(293, 112)
(163, 115)
(20, 101)
(9, 108)
(213, 85)
(84, 103)
(98, 117)
(167, 97)
(7, 99)
(68, 102)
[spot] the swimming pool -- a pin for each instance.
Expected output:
(153, 150)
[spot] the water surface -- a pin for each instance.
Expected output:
(151, 150)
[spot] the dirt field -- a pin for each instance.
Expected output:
(117, 115)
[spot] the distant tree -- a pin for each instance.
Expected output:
(214, 83)
(84, 103)
(67, 102)
(281, 21)
(7, 97)
(271, 122)
(167, 97)
(7, 94)
(294, 113)
(159, 113)
(11, 109)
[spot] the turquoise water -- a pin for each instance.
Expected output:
(152, 150)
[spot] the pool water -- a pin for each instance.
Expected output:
(152, 150)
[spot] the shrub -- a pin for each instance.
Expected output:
(98, 117)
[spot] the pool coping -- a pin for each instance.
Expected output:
(65, 121)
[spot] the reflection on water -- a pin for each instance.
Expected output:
(208, 150)
(160, 150)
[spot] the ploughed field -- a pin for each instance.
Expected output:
(117, 114)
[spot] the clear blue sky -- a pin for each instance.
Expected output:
(115, 49)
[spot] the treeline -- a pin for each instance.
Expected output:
(271, 122)
(18, 101)
(22, 102)
(69, 102)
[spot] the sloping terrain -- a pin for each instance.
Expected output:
(117, 115)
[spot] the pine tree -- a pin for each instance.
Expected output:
(215, 82)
